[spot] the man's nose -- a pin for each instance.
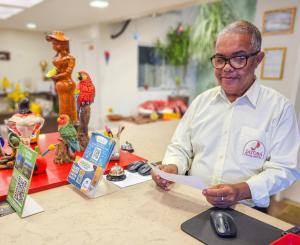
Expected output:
(228, 67)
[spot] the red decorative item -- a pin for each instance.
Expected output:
(86, 89)
(106, 56)
(287, 239)
(40, 165)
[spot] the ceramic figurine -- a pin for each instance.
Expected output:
(69, 138)
(86, 95)
(64, 64)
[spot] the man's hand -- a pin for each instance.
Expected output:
(225, 195)
(165, 184)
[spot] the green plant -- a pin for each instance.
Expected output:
(176, 50)
(211, 20)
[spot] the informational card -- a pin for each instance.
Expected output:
(99, 149)
(84, 175)
(87, 171)
(21, 178)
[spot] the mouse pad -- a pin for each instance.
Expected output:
(249, 230)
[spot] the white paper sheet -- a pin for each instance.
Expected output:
(131, 179)
(193, 181)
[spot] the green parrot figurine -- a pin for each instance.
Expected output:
(68, 133)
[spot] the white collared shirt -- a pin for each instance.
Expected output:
(255, 140)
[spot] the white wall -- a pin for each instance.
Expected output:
(27, 49)
(291, 41)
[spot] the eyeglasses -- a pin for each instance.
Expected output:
(236, 61)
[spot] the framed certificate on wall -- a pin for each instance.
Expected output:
(279, 21)
(273, 63)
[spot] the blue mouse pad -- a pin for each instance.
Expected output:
(250, 231)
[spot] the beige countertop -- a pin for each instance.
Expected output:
(140, 214)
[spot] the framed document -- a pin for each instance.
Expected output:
(279, 21)
(273, 63)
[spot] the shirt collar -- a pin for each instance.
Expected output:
(251, 94)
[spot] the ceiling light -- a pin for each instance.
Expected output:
(31, 25)
(99, 3)
(20, 3)
(6, 12)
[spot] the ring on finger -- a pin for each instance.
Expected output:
(222, 199)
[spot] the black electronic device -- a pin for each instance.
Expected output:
(223, 224)
(144, 170)
(133, 167)
(295, 230)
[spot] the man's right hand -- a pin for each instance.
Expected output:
(164, 184)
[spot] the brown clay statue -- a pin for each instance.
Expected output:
(85, 97)
(64, 64)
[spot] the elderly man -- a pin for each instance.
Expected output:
(240, 138)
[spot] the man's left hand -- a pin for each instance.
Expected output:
(225, 195)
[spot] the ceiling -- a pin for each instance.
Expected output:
(68, 14)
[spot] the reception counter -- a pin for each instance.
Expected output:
(140, 214)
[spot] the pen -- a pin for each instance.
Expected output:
(109, 131)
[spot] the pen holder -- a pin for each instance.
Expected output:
(116, 152)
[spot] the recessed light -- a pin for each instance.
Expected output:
(31, 25)
(6, 12)
(20, 3)
(99, 3)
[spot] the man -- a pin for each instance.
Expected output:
(240, 138)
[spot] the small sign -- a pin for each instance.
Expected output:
(4, 55)
(21, 178)
(87, 171)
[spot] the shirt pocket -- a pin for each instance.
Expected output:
(253, 148)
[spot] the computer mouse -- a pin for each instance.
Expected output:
(133, 167)
(145, 170)
(223, 224)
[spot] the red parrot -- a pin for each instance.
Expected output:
(86, 89)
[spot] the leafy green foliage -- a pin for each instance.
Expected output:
(211, 20)
(176, 50)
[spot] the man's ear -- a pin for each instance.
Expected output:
(259, 57)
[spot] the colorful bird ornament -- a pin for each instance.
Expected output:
(86, 89)
(68, 133)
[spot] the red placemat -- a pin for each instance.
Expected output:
(56, 175)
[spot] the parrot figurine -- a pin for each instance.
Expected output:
(86, 89)
(68, 133)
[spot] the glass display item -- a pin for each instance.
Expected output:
(26, 126)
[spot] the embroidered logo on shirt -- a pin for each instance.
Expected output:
(254, 149)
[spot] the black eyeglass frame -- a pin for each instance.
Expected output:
(227, 60)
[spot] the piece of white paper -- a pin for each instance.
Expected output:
(131, 179)
(193, 181)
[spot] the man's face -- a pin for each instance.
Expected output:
(235, 82)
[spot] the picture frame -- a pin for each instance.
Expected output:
(279, 21)
(273, 63)
(4, 55)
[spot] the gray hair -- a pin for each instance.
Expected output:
(244, 27)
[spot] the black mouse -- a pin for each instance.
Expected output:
(133, 167)
(144, 170)
(223, 224)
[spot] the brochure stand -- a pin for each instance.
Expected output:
(86, 173)
(103, 188)
(20, 181)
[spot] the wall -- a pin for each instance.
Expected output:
(27, 49)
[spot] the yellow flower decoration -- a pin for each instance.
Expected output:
(5, 83)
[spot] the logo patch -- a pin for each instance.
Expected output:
(254, 149)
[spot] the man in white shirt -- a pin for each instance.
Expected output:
(241, 138)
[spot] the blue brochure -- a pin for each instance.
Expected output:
(99, 149)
